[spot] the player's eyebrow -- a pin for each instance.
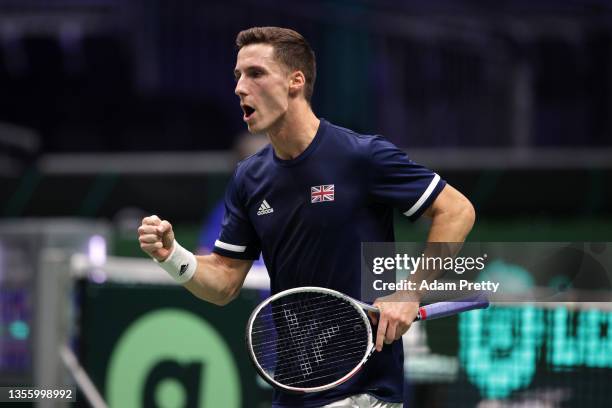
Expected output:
(237, 72)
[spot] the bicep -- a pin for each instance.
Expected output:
(230, 269)
(218, 273)
(237, 269)
(218, 279)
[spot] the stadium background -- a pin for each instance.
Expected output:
(112, 110)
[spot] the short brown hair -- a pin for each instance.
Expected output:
(290, 48)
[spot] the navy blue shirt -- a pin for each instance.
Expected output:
(308, 217)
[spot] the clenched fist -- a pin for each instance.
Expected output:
(156, 237)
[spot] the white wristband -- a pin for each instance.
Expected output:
(180, 264)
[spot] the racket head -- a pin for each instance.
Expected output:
(334, 339)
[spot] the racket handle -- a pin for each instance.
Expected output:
(443, 309)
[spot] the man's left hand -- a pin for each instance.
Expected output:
(396, 315)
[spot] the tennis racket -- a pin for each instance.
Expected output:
(311, 339)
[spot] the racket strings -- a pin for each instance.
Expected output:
(327, 319)
(284, 353)
(258, 326)
(349, 363)
(308, 299)
(313, 324)
(280, 347)
(331, 304)
(344, 318)
(277, 344)
(330, 362)
(290, 314)
(305, 371)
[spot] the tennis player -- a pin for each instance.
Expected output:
(306, 202)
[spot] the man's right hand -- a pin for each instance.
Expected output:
(156, 237)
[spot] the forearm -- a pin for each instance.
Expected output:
(215, 280)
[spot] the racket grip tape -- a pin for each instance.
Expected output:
(443, 309)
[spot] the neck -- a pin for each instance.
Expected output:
(294, 132)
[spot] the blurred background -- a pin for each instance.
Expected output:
(113, 110)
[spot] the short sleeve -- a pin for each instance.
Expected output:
(238, 238)
(399, 182)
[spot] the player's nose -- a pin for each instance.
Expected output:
(240, 89)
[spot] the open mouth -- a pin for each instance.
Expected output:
(248, 111)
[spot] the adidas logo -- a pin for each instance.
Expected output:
(265, 208)
(183, 269)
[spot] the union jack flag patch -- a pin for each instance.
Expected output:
(318, 194)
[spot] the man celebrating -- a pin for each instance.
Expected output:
(306, 202)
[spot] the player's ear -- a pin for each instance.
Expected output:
(297, 80)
